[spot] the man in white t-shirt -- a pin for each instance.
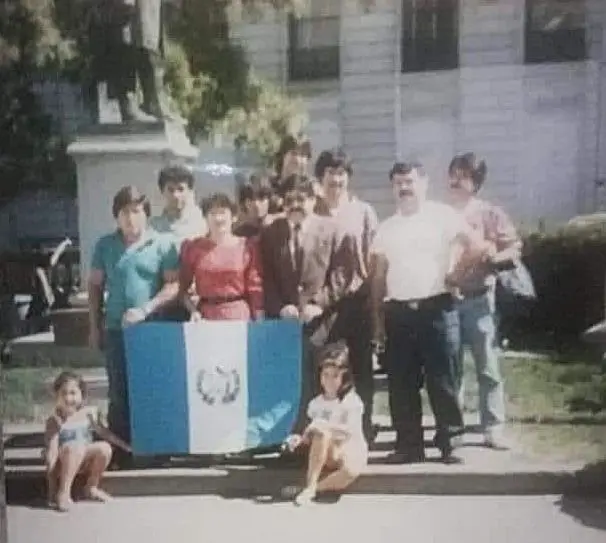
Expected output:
(414, 314)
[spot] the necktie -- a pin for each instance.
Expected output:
(297, 250)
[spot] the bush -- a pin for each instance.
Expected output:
(568, 268)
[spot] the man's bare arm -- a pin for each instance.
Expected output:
(167, 294)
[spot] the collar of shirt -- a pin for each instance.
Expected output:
(146, 236)
(303, 226)
(191, 212)
(474, 205)
(343, 206)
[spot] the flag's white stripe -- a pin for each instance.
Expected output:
(217, 386)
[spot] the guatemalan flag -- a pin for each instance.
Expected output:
(212, 387)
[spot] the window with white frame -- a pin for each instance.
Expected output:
(555, 31)
(314, 36)
(430, 35)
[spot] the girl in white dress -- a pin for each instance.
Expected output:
(334, 434)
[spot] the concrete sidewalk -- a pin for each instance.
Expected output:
(485, 472)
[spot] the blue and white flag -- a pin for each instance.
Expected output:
(212, 387)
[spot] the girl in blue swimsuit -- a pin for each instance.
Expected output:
(69, 445)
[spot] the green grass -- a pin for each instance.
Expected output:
(25, 394)
(557, 410)
(539, 391)
(28, 394)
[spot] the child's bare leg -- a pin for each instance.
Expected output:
(97, 458)
(52, 480)
(318, 454)
(70, 462)
(350, 464)
(338, 480)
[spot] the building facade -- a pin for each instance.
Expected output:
(520, 82)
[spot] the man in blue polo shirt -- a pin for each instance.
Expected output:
(134, 274)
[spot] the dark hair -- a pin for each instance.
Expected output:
(218, 200)
(177, 173)
(404, 168)
(129, 195)
(66, 377)
(332, 158)
(291, 143)
(297, 183)
(470, 167)
(336, 355)
(256, 188)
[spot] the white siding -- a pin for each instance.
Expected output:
(542, 128)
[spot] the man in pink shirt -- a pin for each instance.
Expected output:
(475, 282)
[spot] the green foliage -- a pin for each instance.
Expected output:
(192, 96)
(32, 155)
(28, 35)
(263, 119)
(569, 269)
(211, 86)
(207, 78)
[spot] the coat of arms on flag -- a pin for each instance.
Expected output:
(212, 387)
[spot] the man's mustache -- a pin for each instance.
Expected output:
(296, 209)
(405, 192)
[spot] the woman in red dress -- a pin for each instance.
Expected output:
(224, 268)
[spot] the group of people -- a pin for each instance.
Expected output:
(413, 289)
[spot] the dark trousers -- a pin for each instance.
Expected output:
(422, 345)
(118, 416)
(353, 326)
(309, 382)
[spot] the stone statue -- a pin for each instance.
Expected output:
(127, 46)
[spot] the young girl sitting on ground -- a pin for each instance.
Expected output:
(69, 445)
(334, 435)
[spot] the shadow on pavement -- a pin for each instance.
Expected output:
(585, 510)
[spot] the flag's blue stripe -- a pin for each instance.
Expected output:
(274, 381)
(158, 400)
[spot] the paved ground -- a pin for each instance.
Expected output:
(542, 519)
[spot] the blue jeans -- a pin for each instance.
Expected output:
(479, 332)
(118, 411)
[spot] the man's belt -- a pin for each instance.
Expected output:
(422, 304)
(474, 292)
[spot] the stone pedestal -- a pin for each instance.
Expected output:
(110, 156)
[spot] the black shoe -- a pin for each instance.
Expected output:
(450, 459)
(404, 458)
(370, 434)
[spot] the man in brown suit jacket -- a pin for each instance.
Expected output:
(303, 270)
(303, 264)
